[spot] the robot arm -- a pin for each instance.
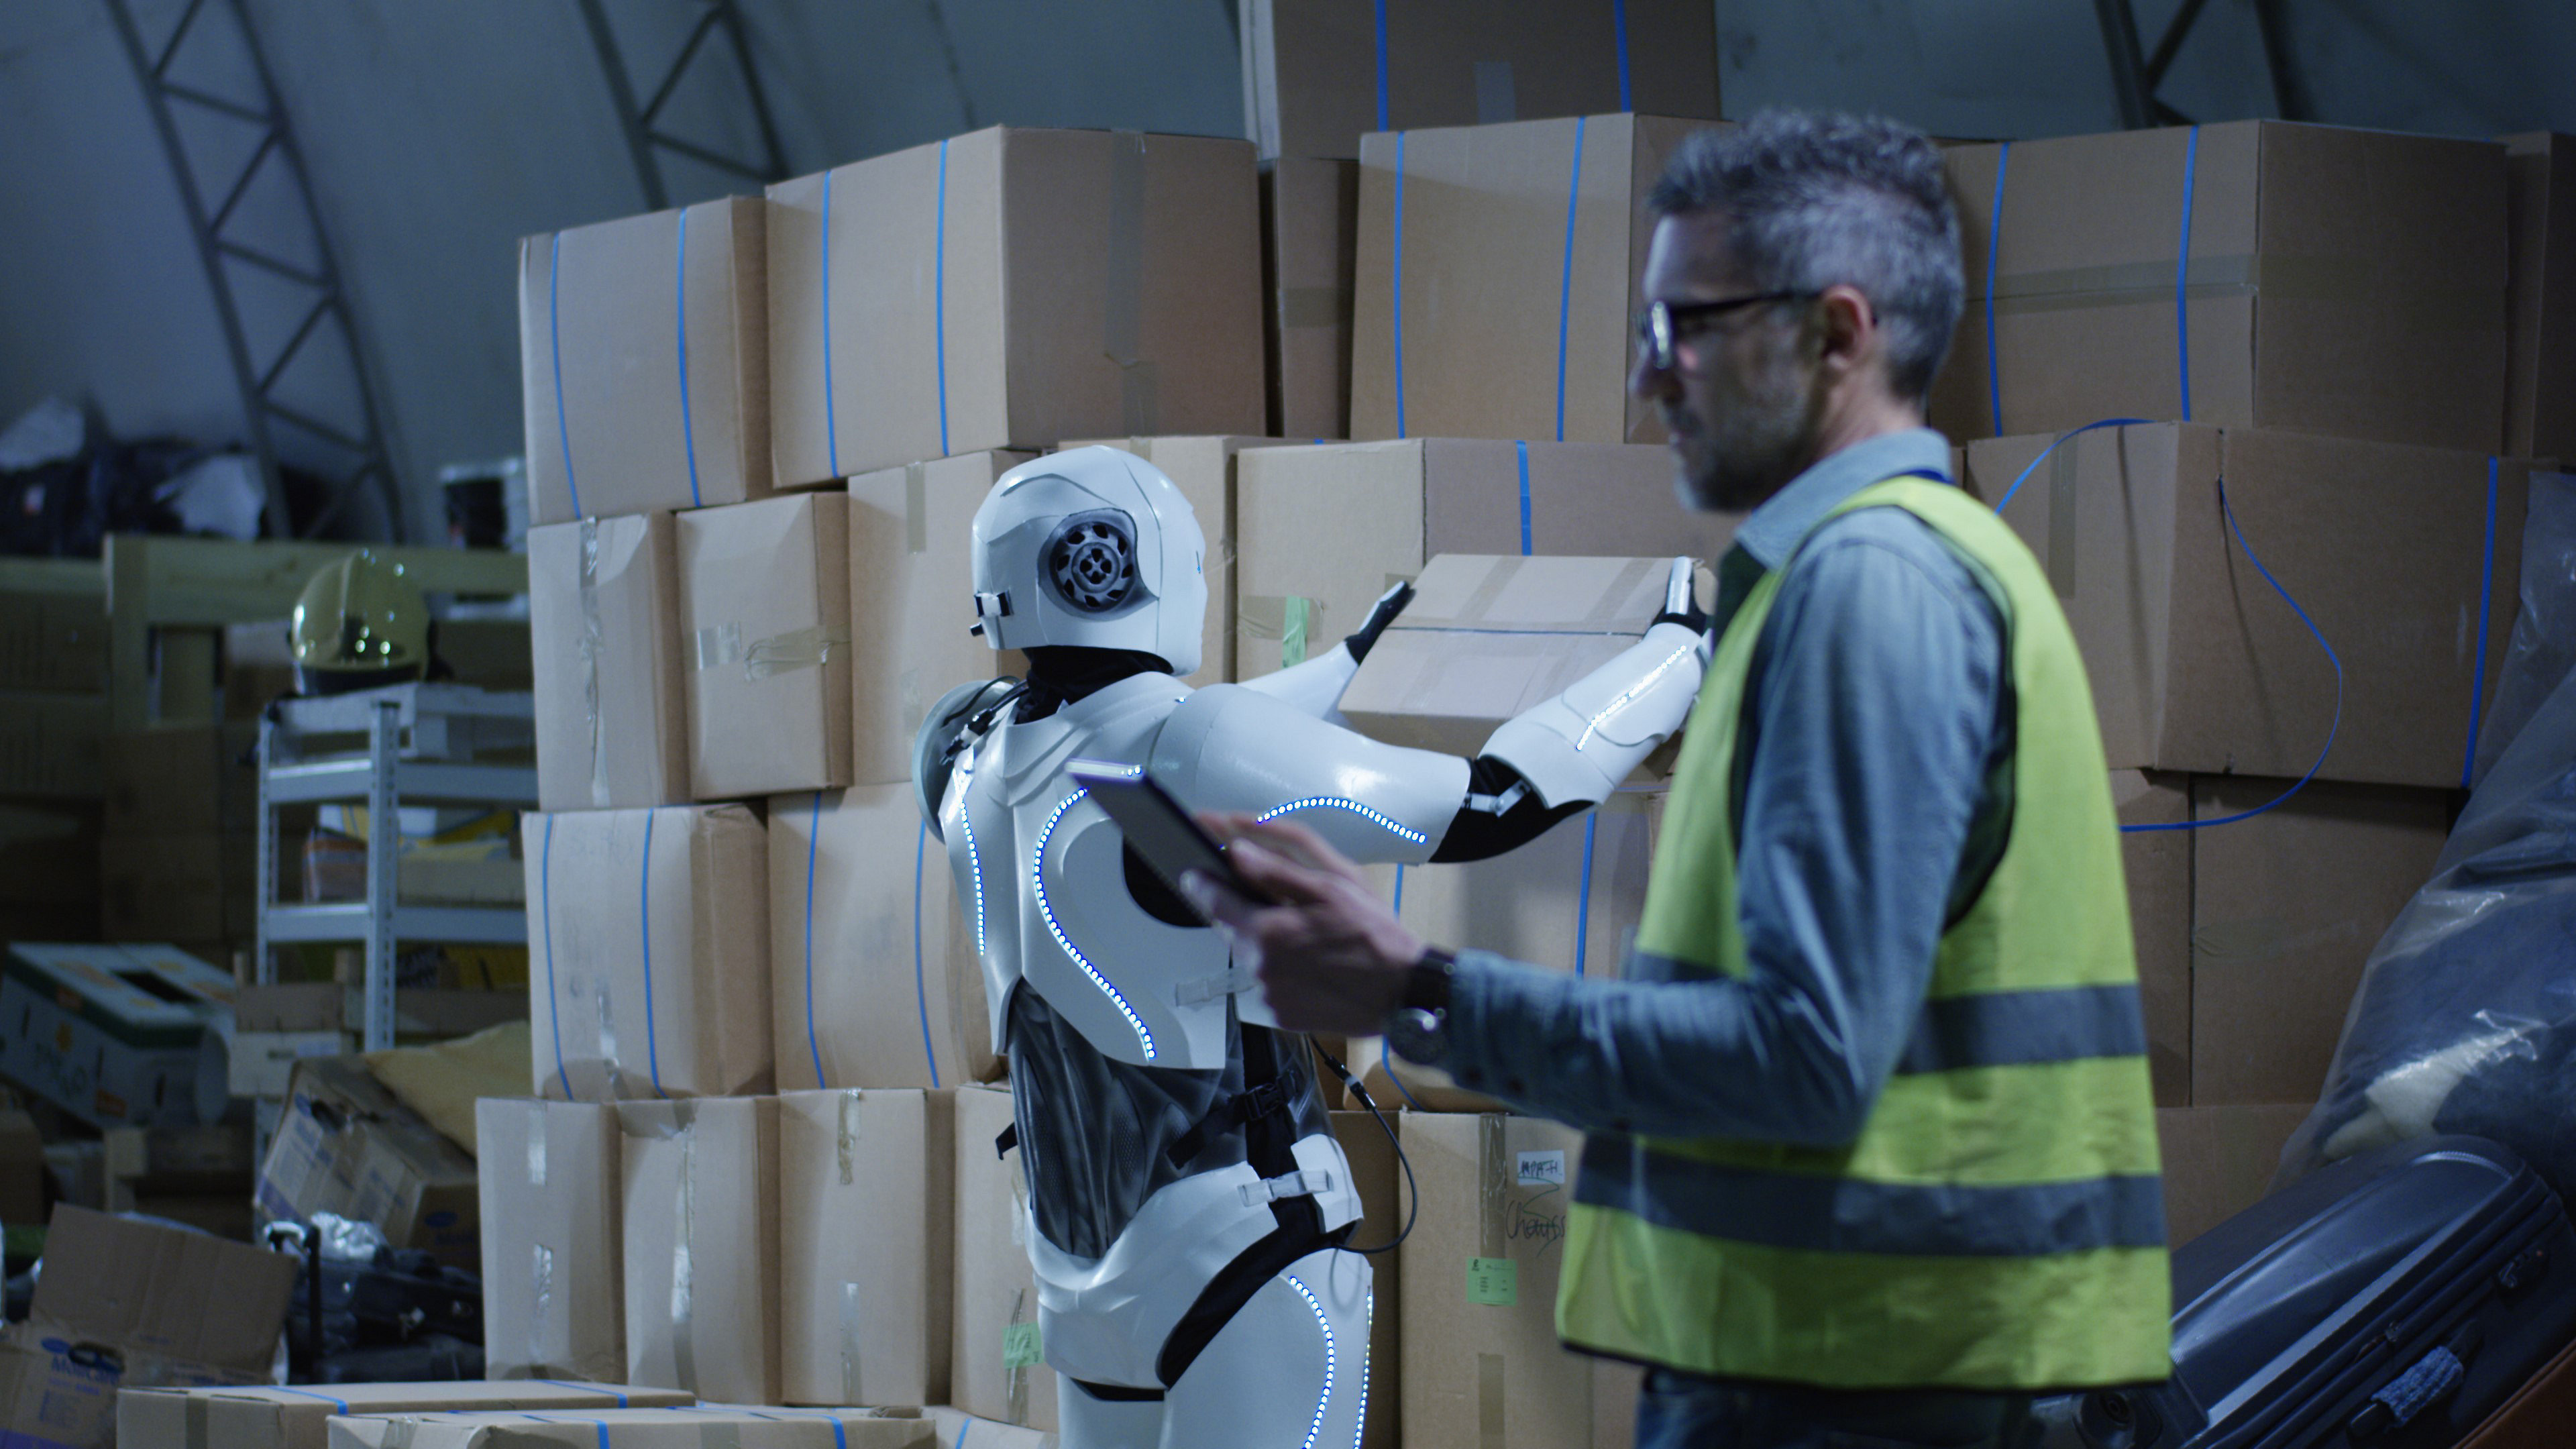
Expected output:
(951, 727)
(1315, 687)
(1230, 747)
(1576, 748)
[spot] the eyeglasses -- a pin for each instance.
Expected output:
(1663, 325)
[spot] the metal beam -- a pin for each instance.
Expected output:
(2289, 89)
(645, 140)
(2129, 86)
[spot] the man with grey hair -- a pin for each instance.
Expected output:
(1870, 1151)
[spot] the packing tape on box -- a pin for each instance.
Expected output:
(536, 1118)
(398, 1434)
(721, 645)
(541, 1296)
(847, 1134)
(1286, 618)
(1122, 315)
(1491, 1376)
(684, 1352)
(1301, 308)
(852, 1320)
(1493, 1185)
(916, 508)
(594, 643)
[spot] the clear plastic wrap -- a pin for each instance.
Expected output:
(2543, 648)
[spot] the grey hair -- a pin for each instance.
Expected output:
(1814, 200)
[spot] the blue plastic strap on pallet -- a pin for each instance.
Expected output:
(652, 1048)
(2486, 600)
(2182, 273)
(813, 847)
(1565, 283)
(1395, 312)
(1520, 451)
(1619, 27)
(1994, 243)
(831, 427)
(920, 981)
(939, 300)
(1583, 896)
(680, 309)
(546, 923)
(1381, 67)
(554, 336)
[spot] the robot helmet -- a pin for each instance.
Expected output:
(1093, 547)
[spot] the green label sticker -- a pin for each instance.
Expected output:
(1493, 1281)
(1292, 631)
(1020, 1346)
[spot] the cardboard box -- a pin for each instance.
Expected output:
(1205, 470)
(55, 641)
(874, 980)
(2197, 664)
(349, 1146)
(1371, 1154)
(1482, 1365)
(997, 1368)
(255, 1416)
(2156, 865)
(765, 598)
(1490, 636)
(1315, 80)
(2540, 317)
(1517, 273)
(698, 1225)
(1011, 288)
(644, 362)
(553, 1284)
(677, 1428)
(262, 1063)
(912, 600)
(288, 1006)
(2296, 317)
(1310, 211)
(956, 1426)
(2286, 907)
(50, 745)
(604, 625)
(2537, 1415)
(866, 1233)
(200, 780)
(671, 999)
(2218, 1161)
(118, 1036)
(177, 887)
(1321, 532)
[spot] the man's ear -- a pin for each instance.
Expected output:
(1846, 329)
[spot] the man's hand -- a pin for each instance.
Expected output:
(1331, 956)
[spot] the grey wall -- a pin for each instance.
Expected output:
(437, 134)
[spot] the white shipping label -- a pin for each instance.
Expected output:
(1542, 1169)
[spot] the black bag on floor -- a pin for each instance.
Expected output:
(2390, 1301)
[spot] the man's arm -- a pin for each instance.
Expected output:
(1874, 719)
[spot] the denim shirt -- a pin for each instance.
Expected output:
(1873, 733)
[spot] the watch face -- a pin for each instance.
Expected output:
(1418, 1035)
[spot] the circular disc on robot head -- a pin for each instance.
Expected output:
(1090, 560)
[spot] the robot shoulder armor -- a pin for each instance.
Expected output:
(948, 730)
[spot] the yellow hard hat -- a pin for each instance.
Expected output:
(360, 624)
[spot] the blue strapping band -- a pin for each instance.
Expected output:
(1565, 283)
(609, 1389)
(831, 426)
(1994, 243)
(1583, 897)
(1395, 313)
(813, 847)
(961, 1434)
(1619, 26)
(939, 298)
(1398, 907)
(2486, 598)
(1400, 1088)
(554, 335)
(1521, 451)
(2182, 270)
(680, 310)
(2024, 475)
(920, 986)
(1381, 66)
(652, 1048)
(546, 920)
(341, 1404)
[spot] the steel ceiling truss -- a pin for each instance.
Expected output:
(347, 428)
(647, 138)
(2136, 73)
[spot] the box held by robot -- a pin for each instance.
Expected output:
(765, 610)
(997, 1368)
(604, 629)
(644, 362)
(552, 1270)
(648, 939)
(698, 1232)
(1010, 288)
(867, 1236)
(258, 1416)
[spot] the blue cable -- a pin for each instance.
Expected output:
(2182, 271)
(1396, 284)
(546, 920)
(2486, 599)
(1381, 67)
(1619, 27)
(554, 335)
(680, 297)
(920, 984)
(1401, 1089)
(1521, 451)
(652, 1047)
(2024, 475)
(831, 427)
(1565, 284)
(813, 847)
(1994, 243)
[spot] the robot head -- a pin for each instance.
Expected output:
(1092, 547)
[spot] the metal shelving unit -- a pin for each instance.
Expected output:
(421, 743)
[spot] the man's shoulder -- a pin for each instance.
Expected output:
(1878, 543)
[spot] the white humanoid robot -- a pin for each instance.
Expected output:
(1188, 1204)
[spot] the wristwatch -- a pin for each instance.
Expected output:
(1418, 1028)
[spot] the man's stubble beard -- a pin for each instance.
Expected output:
(1760, 446)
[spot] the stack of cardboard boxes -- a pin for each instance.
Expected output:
(53, 711)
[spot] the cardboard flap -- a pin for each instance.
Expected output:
(164, 1290)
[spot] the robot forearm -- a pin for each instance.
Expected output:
(1576, 748)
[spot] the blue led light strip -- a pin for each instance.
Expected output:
(1037, 878)
(974, 860)
(1337, 802)
(1628, 695)
(1359, 1426)
(1326, 1324)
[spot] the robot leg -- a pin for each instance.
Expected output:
(1289, 1371)
(1090, 1423)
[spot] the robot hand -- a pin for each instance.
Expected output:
(1381, 614)
(1681, 598)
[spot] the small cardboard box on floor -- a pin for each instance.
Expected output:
(1310, 209)
(604, 629)
(639, 1428)
(1010, 288)
(552, 1268)
(1515, 273)
(648, 935)
(644, 362)
(1321, 532)
(2540, 320)
(866, 1240)
(765, 601)
(698, 1229)
(1315, 80)
(256, 1416)
(2407, 560)
(997, 1366)
(349, 1146)
(874, 980)
(2292, 316)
